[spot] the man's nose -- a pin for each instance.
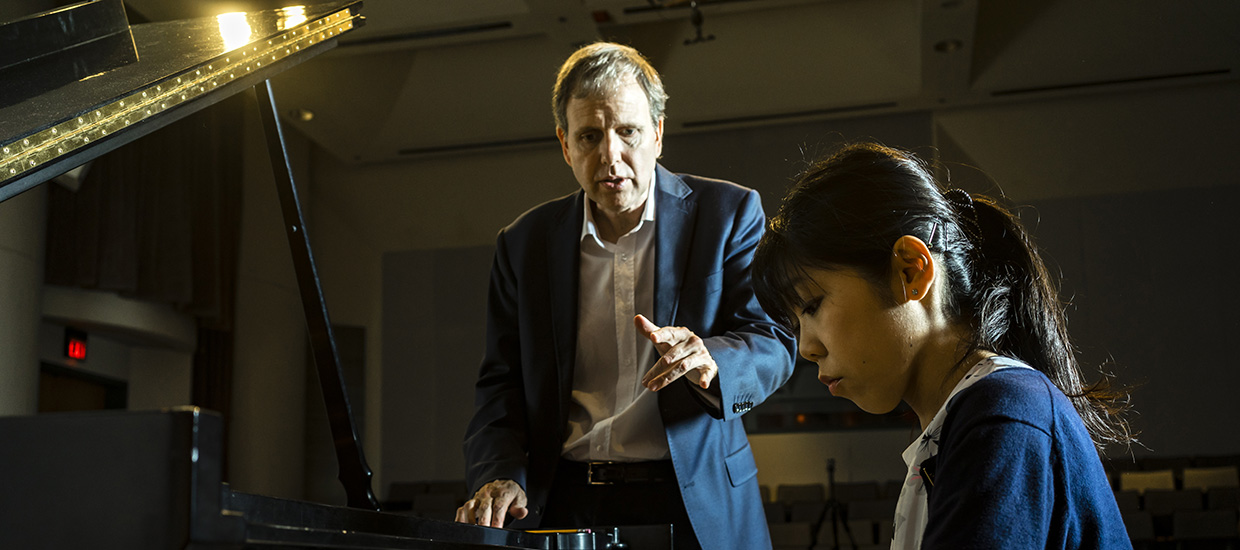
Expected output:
(612, 149)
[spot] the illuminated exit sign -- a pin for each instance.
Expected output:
(75, 344)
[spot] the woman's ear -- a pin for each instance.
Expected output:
(912, 269)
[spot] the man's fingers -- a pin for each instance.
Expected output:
(661, 335)
(701, 361)
(518, 508)
(682, 351)
(708, 376)
(650, 331)
(671, 335)
(644, 325)
(661, 370)
(493, 503)
(666, 363)
(519, 511)
(465, 513)
(484, 514)
(499, 507)
(470, 510)
(498, 512)
(673, 356)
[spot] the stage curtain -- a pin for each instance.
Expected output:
(159, 220)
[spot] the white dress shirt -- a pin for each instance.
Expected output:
(612, 417)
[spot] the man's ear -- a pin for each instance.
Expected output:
(912, 269)
(563, 137)
(658, 139)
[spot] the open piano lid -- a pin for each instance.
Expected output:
(79, 82)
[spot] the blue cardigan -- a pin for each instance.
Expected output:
(1017, 469)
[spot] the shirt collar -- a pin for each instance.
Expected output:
(589, 229)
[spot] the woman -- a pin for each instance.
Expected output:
(903, 292)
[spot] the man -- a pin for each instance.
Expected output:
(624, 340)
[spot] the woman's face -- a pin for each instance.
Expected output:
(860, 340)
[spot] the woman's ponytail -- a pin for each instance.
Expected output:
(1017, 312)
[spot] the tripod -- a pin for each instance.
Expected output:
(837, 511)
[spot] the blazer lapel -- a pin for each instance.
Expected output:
(563, 257)
(674, 213)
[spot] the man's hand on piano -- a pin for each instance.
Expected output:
(493, 503)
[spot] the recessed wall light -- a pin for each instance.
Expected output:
(947, 46)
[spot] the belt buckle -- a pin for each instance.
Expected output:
(590, 474)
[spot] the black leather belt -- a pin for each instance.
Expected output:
(612, 473)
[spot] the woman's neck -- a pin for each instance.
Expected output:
(942, 363)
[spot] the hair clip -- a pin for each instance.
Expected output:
(966, 215)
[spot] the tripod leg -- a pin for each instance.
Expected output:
(847, 530)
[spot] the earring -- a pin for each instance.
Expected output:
(914, 292)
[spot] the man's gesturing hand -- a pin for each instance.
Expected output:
(681, 351)
(494, 502)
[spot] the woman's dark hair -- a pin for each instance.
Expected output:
(847, 211)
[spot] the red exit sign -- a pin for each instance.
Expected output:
(75, 344)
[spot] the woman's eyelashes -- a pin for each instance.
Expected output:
(810, 307)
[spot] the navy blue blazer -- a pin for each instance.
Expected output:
(705, 234)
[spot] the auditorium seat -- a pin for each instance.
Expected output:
(886, 531)
(861, 490)
(789, 536)
(891, 488)
(1128, 501)
(1204, 524)
(1140, 526)
(875, 510)
(776, 512)
(1221, 498)
(806, 511)
(1206, 478)
(872, 520)
(1161, 502)
(799, 493)
(1142, 481)
(863, 533)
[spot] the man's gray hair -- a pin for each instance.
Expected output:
(598, 70)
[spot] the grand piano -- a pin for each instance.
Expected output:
(75, 84)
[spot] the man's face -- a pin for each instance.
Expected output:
(613, 145)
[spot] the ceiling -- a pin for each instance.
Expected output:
(429, 77)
